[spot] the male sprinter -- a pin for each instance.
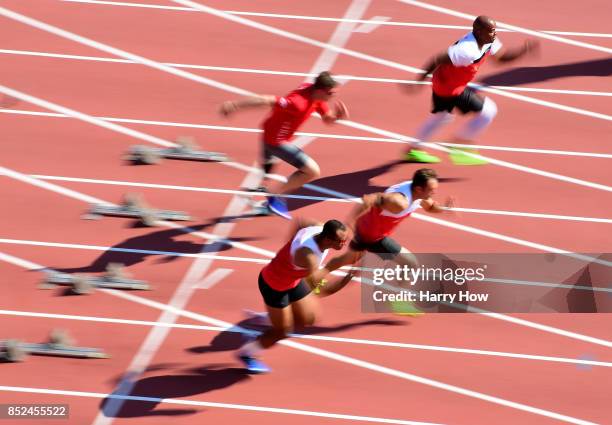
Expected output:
(377, 217)
(285, 285)
(452, 71)
(288, 114)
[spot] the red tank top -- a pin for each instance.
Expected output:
(281, 274)
(377, 223)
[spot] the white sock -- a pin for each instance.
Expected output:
(476, 125)
(429, 127)
(251, 349)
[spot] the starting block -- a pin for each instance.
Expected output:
(60, 345)
(134, 207)
(115, 278)
(186, 150)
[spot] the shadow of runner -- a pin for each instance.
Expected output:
(534, 74)
(163, 240)
(231, 339)
(197, 381)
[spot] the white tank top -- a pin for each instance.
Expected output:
(305, 238)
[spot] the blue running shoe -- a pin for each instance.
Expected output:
(279, 207)
(253, 365)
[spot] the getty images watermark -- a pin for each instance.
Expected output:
(403, 276)
(501, 283)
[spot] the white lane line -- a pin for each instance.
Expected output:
(327, 57)
(376, 343)
(363, 364)
(256, 261)
(236, 90)
(239, 245)
(313, 198)
(370, 25)
(213, 278)
(377, 60)
(132, 250)
(188, 402)
(288, 73)
(500, 24)
(181, 296)
(380, 369)
(307, 134)
(378, 20)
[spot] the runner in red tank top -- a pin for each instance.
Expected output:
(380, 213)
(286, 283)
(452, 71)
(288, 114)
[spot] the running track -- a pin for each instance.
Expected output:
(52, 166)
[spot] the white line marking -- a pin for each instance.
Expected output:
(377, 343)
(379, 369)
(132, 250)
(213, 278)
(299, 133)
(158, 141)
(371, 24)
(187, 402)
(363, 364)
(313, 198)
(508, 26)
(249, 248)
(181, 296)
(254, 260)
(288, 73)
(232, 89)
(319, 18)
(380, 61)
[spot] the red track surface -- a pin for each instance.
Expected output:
(198, 365)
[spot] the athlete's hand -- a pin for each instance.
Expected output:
(227, 108)
(341, 111)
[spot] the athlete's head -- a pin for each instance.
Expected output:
(484, 29)
(324, 86)
(424, 183)
(334, 234)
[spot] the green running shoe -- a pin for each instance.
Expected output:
(420, 156)
(460, 156)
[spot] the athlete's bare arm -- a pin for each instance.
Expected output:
(432, 206)
(338, 112)
(430, 67)
(258, 101)
(508, 55)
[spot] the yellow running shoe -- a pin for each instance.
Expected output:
(460, 156)
(405, 308)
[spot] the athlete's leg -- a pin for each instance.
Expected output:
(481, 120)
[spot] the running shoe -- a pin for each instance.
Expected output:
(279, 207)
(420, 156)
(253, 365)
(461, 156)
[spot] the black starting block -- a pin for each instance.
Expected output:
(133, 206)
(115, 278)
(186, 150)
(60, 345)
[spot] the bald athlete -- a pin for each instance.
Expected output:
(452, 71)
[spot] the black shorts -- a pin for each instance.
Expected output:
(384, 246)
(467, 101)
(281, 299)
(287, 152)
